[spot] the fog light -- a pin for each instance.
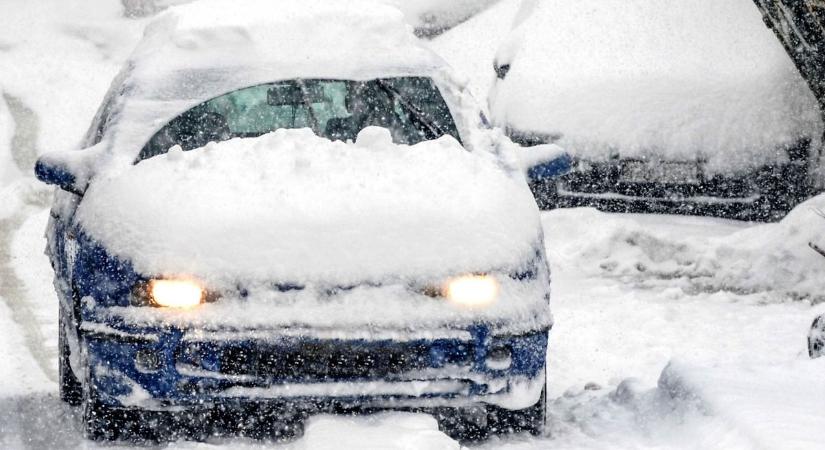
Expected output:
(499, 358)
(148, 361)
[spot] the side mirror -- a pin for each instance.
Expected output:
(68, 170)
(54, 173)
(546, 161)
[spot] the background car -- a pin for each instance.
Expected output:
(275, 216)
(689, 107)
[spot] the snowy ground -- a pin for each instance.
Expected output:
(671, 332)
(631, 365)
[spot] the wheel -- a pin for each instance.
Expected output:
(477, 424)
(816, 338)
(532, 419)
(71, 391)
(546, 194)
(102, 422)
(466, 425)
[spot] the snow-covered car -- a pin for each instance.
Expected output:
(293, 207)
(677, 106)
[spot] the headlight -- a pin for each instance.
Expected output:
(472, 290)
(176, 293)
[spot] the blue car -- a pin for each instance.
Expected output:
(277, 215)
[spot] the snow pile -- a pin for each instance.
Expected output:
(704, 78)
(630, 416)
(293, 207)
(774, 405)
(767, 258)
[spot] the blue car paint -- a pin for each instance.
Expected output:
(109, 280)
(550, 169)
(53, 174)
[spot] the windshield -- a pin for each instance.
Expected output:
(410, 107)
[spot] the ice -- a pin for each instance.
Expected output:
(676, 79)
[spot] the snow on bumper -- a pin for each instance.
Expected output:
(177, 369)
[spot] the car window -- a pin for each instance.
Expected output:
(410, 107)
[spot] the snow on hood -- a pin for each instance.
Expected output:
(679, 79)
(293, 207)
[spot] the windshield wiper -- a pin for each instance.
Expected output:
(433, 128)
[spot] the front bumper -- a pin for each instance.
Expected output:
(601, 185)
(177, 369)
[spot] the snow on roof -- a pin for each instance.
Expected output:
(195, 52)
(317, 37)
(685, 79)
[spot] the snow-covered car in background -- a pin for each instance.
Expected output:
(346, 233)
(674, 106)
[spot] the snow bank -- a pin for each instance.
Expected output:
(773, 404)
(632, 416)
(769, 258)
(682, 79)
(290, 206)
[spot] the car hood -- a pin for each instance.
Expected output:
(292, 207)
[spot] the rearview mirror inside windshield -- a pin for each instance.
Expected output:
(293, 94)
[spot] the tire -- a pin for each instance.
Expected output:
(102, 422)
(532, 419)
(546, 194)
(494, 420)
(467, 426)
(71, 391)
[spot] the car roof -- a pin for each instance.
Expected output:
(282, 38)
(198, 51)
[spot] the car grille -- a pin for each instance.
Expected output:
(322, 360)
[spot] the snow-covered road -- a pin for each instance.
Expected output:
(632, 364)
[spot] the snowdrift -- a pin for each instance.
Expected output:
(768, 258)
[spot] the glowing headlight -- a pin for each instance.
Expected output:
(472, 290)
(176, 293)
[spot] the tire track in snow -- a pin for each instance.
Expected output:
(12, 288)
